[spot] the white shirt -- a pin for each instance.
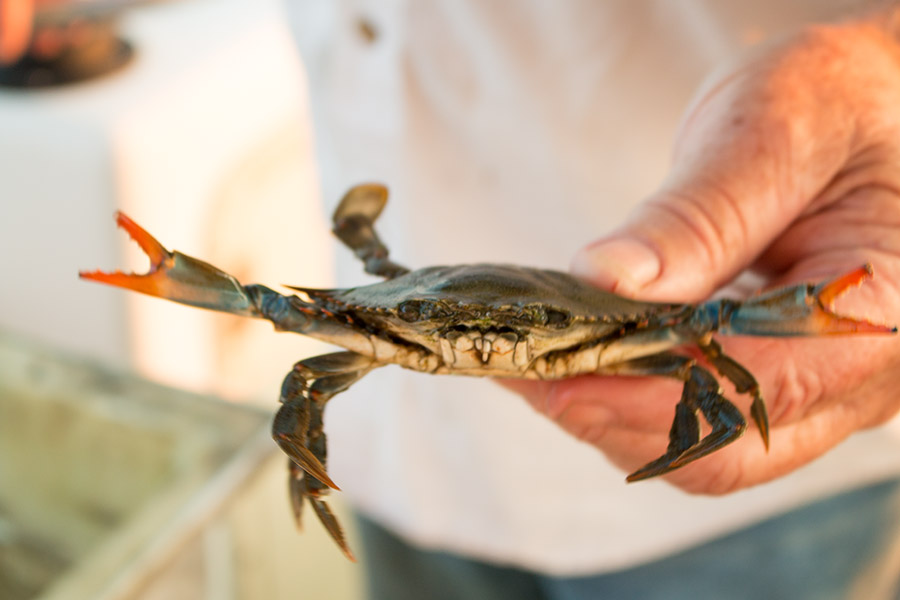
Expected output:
(517, 131)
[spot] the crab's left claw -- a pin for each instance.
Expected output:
(799, 310)
(177, 277)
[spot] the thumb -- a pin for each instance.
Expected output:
(750, 157)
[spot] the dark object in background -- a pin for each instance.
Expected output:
(71, 42)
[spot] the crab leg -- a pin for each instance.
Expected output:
(797, 310)
(744, 383)
(298, 430)
(701, 394)
(354, 224)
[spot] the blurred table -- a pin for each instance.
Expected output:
(105, 476)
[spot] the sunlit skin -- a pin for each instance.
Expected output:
(786, 166)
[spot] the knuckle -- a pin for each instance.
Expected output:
(713, 221)
(797, 391)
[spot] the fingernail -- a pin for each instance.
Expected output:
(620, 265)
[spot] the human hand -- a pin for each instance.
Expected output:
(789, 166)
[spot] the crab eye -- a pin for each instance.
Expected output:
(543, 316)
(417, 310)
(557, 318)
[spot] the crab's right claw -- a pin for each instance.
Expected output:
(802, 310)
(177, 277)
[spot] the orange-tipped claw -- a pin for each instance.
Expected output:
(801, 310)
(177, 277)
(160, 261)
(826, 293)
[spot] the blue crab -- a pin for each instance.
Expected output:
(489, 320)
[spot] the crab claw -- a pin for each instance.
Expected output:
(177, 277)
(800, 310)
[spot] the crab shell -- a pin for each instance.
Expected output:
(488, 319)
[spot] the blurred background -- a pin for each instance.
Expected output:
(192, 117)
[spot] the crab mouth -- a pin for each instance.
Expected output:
(161, 260)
